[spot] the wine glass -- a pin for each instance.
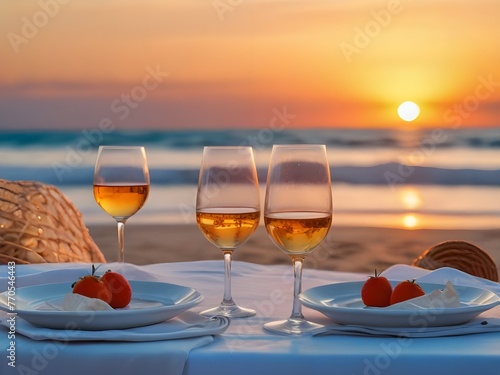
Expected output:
(297, 215)
(228, 210)
(121, 184)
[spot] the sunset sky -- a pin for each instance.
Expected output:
(175, 64)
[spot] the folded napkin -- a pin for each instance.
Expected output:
(440, 276)
(477, 325)
(185, 325)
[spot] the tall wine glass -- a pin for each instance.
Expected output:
(228, 210)
(121, 184)
(297, 215)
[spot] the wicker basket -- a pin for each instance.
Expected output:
(461, 255)
(39, 224)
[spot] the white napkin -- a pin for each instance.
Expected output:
(442, 298)
(77, 302)
(185, 325)
(440, 276)
(477, 325)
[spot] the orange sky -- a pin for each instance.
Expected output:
(228, 63)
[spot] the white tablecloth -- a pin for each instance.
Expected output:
(245, 348)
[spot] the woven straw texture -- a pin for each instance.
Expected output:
(461, 255)
(39, 224)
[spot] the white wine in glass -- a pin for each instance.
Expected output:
(297, 215)
(121, 184)
(228, 210)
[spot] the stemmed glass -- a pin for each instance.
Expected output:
(121, 184)
(297, 215)
(228, 210)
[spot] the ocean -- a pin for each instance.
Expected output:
(436, 178)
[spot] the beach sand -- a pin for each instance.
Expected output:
(349, 249)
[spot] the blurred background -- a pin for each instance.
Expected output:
(175, 76)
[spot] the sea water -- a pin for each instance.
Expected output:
(436, 178)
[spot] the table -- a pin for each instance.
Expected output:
(245, 348)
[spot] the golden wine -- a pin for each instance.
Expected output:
(297, 233)
(227, 228)
(121, 201)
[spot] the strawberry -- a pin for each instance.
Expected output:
(376, 291)
(406, 290)
(121, 291)
(91, 286)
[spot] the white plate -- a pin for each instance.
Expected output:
(152, 302)
(342, 303)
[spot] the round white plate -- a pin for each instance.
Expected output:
(342, 303)
(152, 302)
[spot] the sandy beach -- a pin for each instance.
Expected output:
(350, 249)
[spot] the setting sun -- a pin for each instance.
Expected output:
(332, 64)
(408, 111)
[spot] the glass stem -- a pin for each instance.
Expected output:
(297, 289)
(121, 243)
(228, 299)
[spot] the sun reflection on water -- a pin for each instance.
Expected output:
(410, 221)
(410, 198)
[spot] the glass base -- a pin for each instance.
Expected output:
(230, 311)
(292, 326)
